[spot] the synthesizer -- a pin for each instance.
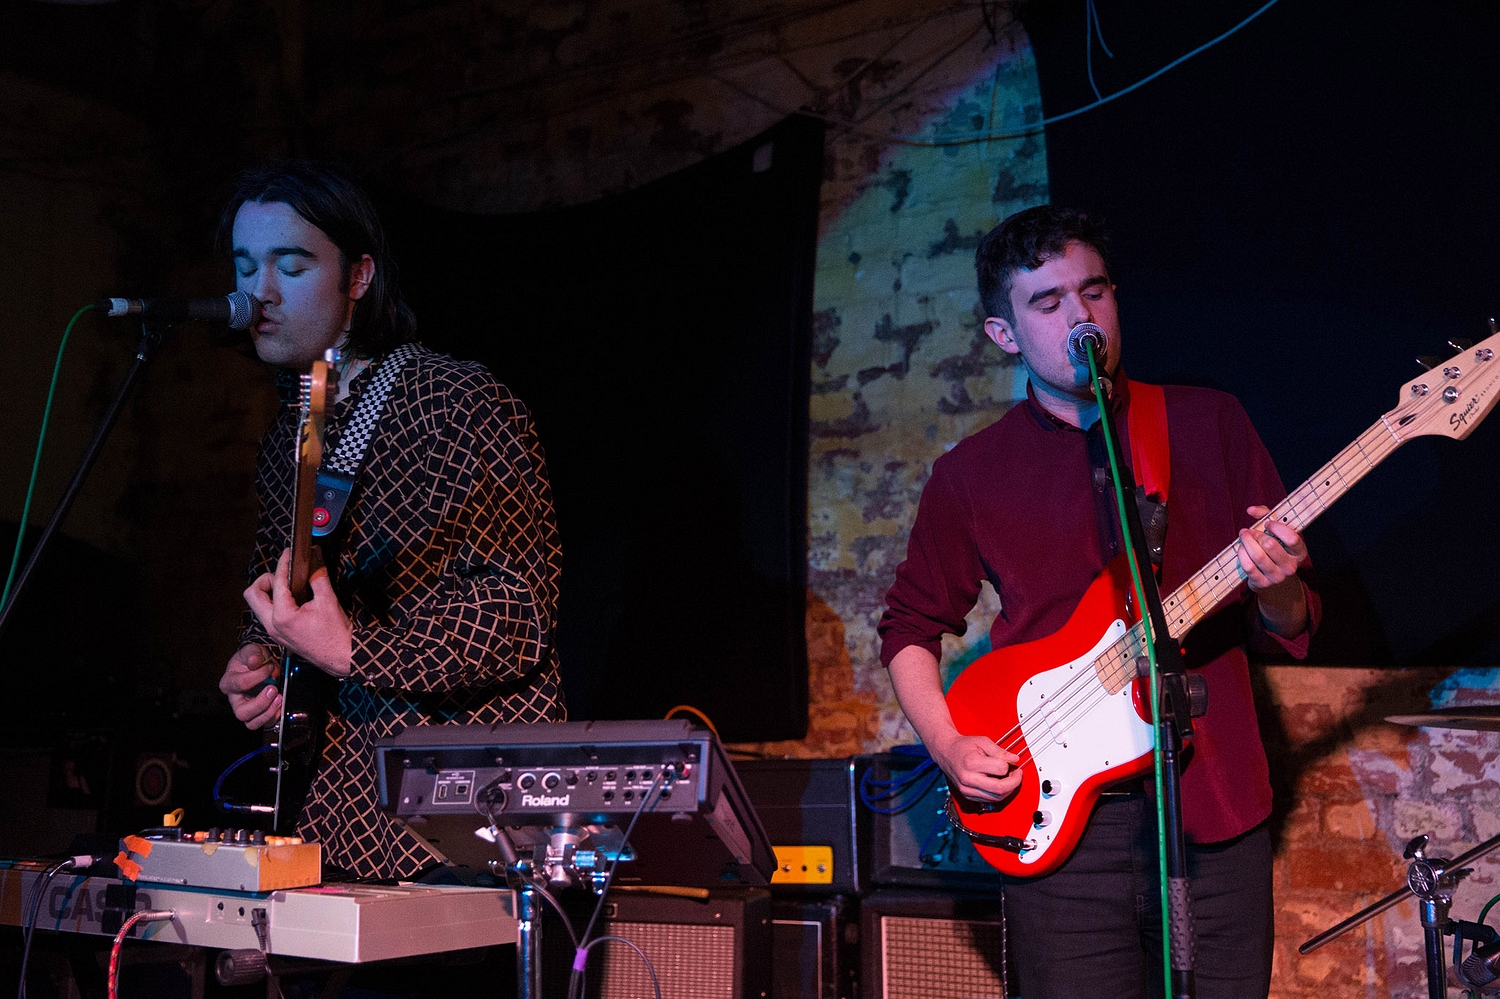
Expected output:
(480, 794)
(344, 922)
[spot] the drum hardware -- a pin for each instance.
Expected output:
(1475, 718)
(1431, 881)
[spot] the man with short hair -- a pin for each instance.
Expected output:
(440, 603)
(1026, 504)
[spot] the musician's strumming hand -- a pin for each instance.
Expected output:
(246, 682)
(318, 631)
(977, 768)
(1269, 559)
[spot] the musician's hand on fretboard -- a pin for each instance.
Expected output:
(317, 631)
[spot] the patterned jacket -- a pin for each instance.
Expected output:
(448, 566)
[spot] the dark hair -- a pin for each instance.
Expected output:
(335, 204)
(1023, 242)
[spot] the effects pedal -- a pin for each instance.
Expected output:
(228, 859)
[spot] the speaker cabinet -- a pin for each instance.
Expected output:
(815, 948)
(808, 803)
(910, 842)
(714, 948)
(926, 945)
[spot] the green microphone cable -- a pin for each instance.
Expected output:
(36, 463)
(1150, 641)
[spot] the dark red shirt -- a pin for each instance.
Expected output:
(1021, 504)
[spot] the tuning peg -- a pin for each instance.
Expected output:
(1493, 328)
(1429, 361)
(1460, 345)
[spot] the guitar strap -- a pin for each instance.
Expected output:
(1150, 453)
(339, 473)
(1151, 458)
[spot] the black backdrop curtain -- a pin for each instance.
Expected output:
(661, 338)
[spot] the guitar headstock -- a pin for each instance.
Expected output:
(1452, 397)
(317, 390)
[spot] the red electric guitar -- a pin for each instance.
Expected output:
(306, 691)
(1071, 706)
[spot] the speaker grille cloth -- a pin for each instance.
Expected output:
(691, 962)
(942, 958)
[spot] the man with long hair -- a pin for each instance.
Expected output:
(439, 602)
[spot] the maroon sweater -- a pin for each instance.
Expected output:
(1020, 504)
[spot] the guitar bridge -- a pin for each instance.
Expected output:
(1012, 844)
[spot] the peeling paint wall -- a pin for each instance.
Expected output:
(902, 368)
(1359, 789)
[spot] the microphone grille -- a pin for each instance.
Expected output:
(1082, 331)
(244, 310)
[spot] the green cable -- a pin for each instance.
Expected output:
(36, 463)
(1156, 755)
(1487, 907)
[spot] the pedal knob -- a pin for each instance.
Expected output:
(1197, 688)
(240, 967)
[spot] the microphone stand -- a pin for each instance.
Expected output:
(152, 332)
(1171, 708)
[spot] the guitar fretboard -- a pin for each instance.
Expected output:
(1216, 582)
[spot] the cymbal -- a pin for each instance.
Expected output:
(1476, 718)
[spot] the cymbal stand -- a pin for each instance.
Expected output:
(1431, 880)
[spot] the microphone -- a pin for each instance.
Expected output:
(1085, 337)
(238, 309)
(1480, 969)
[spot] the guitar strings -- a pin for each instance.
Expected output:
(1080, 696)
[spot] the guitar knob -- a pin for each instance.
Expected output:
(1050, 788)
(1041, 819)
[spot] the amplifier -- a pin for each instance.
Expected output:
(915, 845)
(718, 947)
(930, 945)
(814, 948)
(808, 806)
(474, 792)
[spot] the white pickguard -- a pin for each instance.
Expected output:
(1076, 733)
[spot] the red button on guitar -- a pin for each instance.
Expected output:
(320, 517)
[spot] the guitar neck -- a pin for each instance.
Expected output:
(299, 572)
(1216, 582)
